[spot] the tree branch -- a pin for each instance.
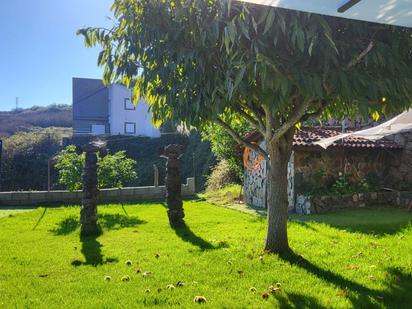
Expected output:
(255, 122)
(316, 113)
(256, 111)
(240, 140)
(292, 120)
(362, 55)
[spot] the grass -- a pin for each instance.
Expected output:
(357, 259)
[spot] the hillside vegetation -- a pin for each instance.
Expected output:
(35, 118)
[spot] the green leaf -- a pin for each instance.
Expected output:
(239, 76)
(269, 20)
(312, 43)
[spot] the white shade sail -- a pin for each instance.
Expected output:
(392, 12)
(399, 124)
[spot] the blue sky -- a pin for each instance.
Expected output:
(40, 51)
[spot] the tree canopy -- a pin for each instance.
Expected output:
(198, 60)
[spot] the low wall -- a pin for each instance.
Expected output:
(131, 194)
(320, 204)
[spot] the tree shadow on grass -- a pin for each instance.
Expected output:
(398, 292)
(40, 219)
(91, 250)
(295, 300)
(187, 235)
(106, 222)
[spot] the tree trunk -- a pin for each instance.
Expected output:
(173, 185)
(279, 152)
(88, 211)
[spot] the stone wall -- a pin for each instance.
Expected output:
(255, 184)
(316, 170)
(306, 205)
(400, 164)
(132, 194)
(255, 188)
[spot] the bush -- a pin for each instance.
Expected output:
(224, 146)
(113, 171)
(221, 176)
(25, 157)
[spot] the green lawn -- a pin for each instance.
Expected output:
(357, 259)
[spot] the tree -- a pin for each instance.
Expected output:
(113, 171)
(215, 61)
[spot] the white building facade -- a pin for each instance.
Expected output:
(99, 110)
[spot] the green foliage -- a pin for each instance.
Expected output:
(70, 166)
(341, 185)
(208, 58)
(224, 147)
(112, 171)
(364, 253)
(221, 176)
(115, 170)
(25, 157)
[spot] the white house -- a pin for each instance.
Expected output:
(109, 110)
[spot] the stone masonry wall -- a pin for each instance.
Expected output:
(400, 164)
(306, 205)
(320, 169)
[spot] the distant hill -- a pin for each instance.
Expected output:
(35, 118)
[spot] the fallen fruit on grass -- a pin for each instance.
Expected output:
(157, 255)
(252, 289)
(107, 278)
(147, 291)
(200, 299)
(265, 295)
(147, 273)
(128, 263)
(171, 287)
(125, 278)
(180, 284)
(138, 271)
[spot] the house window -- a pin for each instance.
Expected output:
(130, 128)
(128, 105)
(98, 129)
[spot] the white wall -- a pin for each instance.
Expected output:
(118, 115)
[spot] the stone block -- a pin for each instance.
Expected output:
(20, 196)
(355, 198)
(38, 196)
(374, 196)
(5, 196)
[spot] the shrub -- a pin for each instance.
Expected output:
(25, 156)
(70, 166)
(221, 176)
(224, 146)
(113, 171)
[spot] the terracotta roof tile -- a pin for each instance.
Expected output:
(306, 137)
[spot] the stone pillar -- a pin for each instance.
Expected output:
(88, 211)
(173, 185)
